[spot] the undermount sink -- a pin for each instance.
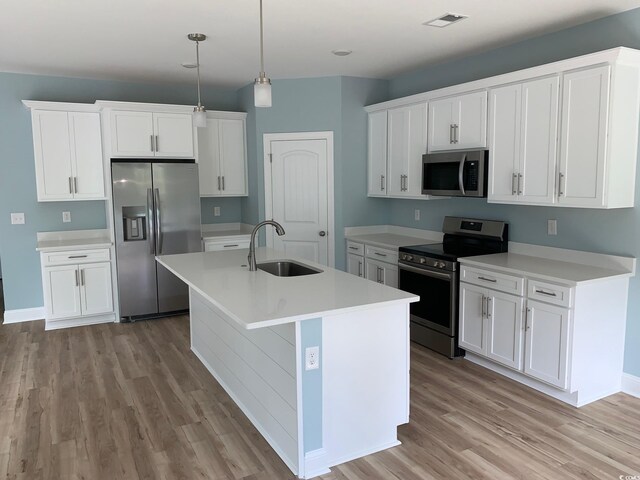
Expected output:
(287, 268)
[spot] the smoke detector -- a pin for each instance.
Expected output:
(445, 20)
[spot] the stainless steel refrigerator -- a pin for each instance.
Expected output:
(156, 212)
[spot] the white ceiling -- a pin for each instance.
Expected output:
(146, 39)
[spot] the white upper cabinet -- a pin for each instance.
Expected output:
(458, 123)
(377, 151)
(151, 134)
(407, 142)
(222, 156)
(523, 125)
(68, 155)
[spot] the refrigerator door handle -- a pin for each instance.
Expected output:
(156, 201)
(150, 225)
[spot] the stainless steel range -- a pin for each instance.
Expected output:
(431, 271)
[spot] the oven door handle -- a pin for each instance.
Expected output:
(424, 271)
(460, 172)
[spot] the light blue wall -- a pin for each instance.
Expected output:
(20, 262)
(613, 231)
(311, 336)
(230, 210)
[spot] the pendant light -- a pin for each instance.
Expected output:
(199, 113)
(262, 85)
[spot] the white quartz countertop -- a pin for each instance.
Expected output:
(259, 299)
(226, 234)
(546, 269)
(389, 240)
(72, 240)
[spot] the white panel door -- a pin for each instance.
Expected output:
(504, 329)
(585, 105)
(233, 157)
(470, 116)
(95, 288)
(62, 293)
(132, 134)
(472, 328)
(504, 142)
(300, 198)
(86, 154)
(209, 174)
(547, 343)
(173, 134)
(407, 133)
(355, 265)
(52, 152)
(538, 144)
(377, 154)
(441, 120)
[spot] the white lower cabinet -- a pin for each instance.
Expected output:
(381, 272)
(221, 244)
(355, 265)
(76, 292)
(472, 326)
(373, 263)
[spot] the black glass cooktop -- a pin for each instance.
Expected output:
(450, 251)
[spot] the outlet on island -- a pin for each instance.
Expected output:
(312, 358)
(216, 211)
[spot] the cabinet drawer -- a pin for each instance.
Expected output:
(549, 293)
(221, 246)
(496, 281)
(382, 254)
(75, 257)
(355, 248)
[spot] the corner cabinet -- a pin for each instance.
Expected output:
(222, 155)
(67, 146)
(458, 123)
(397, 141)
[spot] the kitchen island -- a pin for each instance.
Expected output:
(319, 363)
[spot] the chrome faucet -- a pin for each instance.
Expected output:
(252, 246)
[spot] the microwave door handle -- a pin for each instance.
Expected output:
(460, 172)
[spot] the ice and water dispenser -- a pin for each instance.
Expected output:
(135, 223)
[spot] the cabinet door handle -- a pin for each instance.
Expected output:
(382, 183)
(492, 280)
(70, 185)
(519, 184)
(560, 181)
(484, 306)
(151, 139)
(157, 144)
(77, 281)
(489, 305)
(451, 133)
(219, 183)
(380, 275)
(359, 268)
(542, 292)
(514, 189)
(455, 133)
(82, 277)
(527, 313)
(223, 182)
(75, 184)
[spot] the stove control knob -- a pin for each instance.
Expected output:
(408, 257)
(441, 264)
(423, 260)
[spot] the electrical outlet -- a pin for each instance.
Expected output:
(312, 358)
(17, 219)
(216, 211)
(416, 214)
(66, 217)
(552, 227)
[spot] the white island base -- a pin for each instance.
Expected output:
(347, 407)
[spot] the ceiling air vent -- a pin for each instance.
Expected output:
(445, 20)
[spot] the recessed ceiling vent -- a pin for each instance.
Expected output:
(445, 20)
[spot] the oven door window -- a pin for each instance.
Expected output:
(441, 176)
(435, 308)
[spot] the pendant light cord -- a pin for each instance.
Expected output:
(198, 67)
(262, 73)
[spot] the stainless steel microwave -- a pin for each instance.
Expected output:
(455, 174)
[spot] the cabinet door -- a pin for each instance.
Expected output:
(504, 329)
(547, 343)
(52, 152)
(470, 115)
(441, 120)
(377, 154)
(538, 145)
(585, 107)
(381, 272)
(132, 134)
(61, 291)
(504, 142)
(95, 288)
(86, 155)
(407, 143)
(472, 328)
(233, 157)
(355, 265)
(210, 177)
(173, 135)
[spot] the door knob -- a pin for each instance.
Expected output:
(322, 233)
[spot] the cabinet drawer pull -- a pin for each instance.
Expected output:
(229, 246)
(380, 254)
(492, 280)
(77, 256)
(542, 292)
(354, 248)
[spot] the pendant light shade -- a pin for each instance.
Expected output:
(199, 112)
(262, 85)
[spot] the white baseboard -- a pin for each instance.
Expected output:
(79, 322)
(631, 384)
(23, 315)
(315, 463)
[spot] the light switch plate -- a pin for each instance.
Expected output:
(552, 227)
(66, 217)
(216, 211)
(416, 214)
(312, 358)
(17, 219)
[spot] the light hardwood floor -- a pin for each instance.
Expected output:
(131, 401)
